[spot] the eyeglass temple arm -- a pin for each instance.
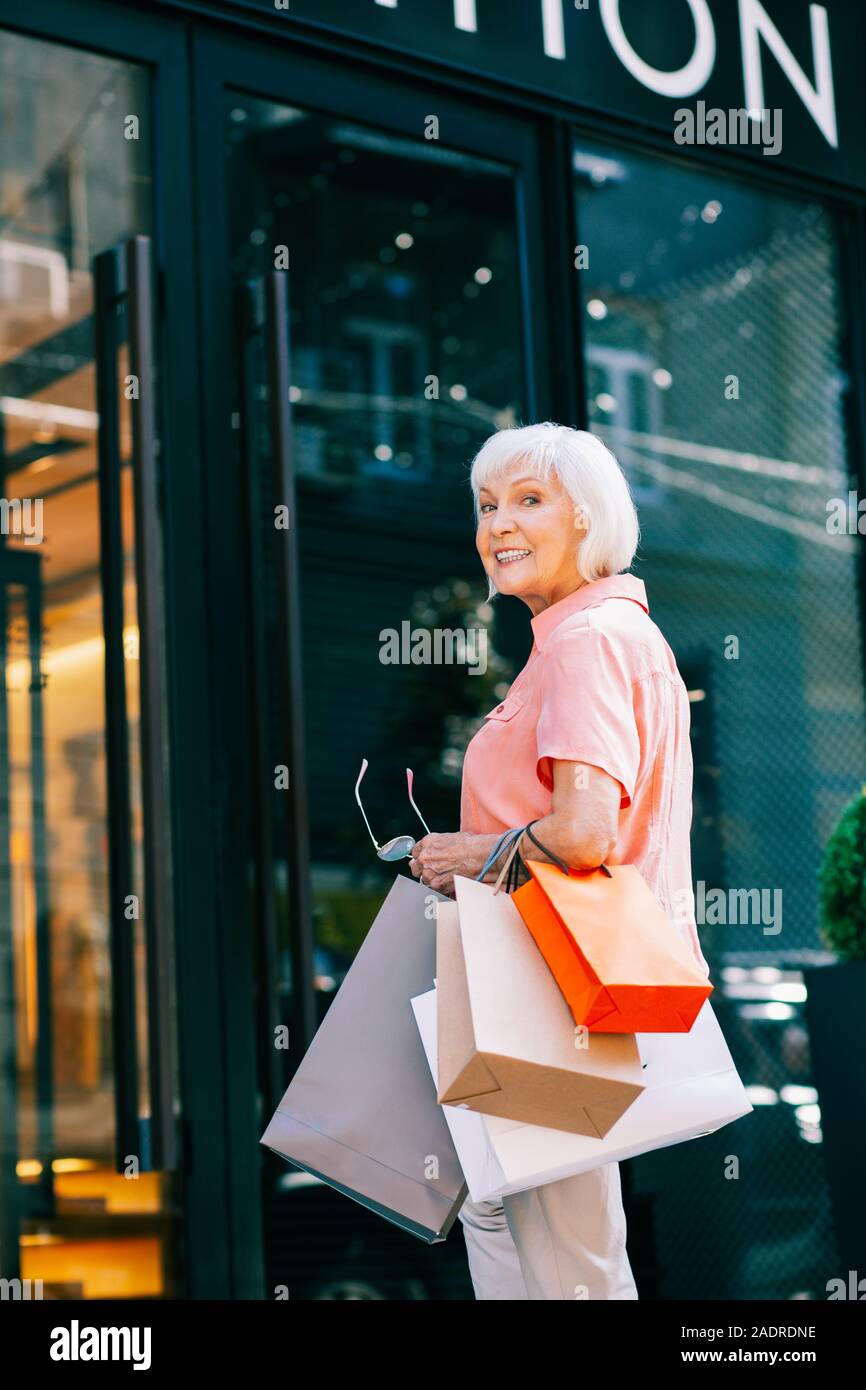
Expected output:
(358, 799)
(409, 778)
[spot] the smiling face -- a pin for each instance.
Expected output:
(528, 536)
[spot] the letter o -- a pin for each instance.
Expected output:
(684, 81)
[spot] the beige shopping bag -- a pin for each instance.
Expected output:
(507, 1043)
(691, 1089)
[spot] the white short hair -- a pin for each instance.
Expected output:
(591, 476)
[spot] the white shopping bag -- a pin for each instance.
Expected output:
(692, 1088)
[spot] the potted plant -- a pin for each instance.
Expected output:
(836, 1014)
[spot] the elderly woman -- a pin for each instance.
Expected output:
(591, 743)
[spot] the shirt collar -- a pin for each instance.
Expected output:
(587, 596)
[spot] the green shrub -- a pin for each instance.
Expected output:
(842, 880)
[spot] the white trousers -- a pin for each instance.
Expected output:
(563, 1240)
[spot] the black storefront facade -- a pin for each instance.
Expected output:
(311, 256)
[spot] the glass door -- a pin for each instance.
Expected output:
(91, 1195)
(372, 267)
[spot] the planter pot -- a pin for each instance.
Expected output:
(836, 1016)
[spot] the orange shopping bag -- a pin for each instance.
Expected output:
(617, 958)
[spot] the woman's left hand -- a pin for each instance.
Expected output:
(437, 858)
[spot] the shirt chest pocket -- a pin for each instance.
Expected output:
(502, 714)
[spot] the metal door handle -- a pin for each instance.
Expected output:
(264, 320)
(124, 274)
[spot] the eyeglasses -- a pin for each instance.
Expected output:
(402, 845)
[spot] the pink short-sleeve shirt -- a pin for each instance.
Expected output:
(600, 686)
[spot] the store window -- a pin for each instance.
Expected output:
(75, 178)
(714, 352)
(406, 352)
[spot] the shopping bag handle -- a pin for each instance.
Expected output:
(509, 840)
(497, 849)
(555, 857)
(510, 869)
(509, 872)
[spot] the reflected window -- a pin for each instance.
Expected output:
(406, 352)
(75, 178)
(713, 323)
(714, 329)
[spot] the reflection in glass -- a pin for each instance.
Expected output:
(714, 325)
(72, 182)
(406, 352)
